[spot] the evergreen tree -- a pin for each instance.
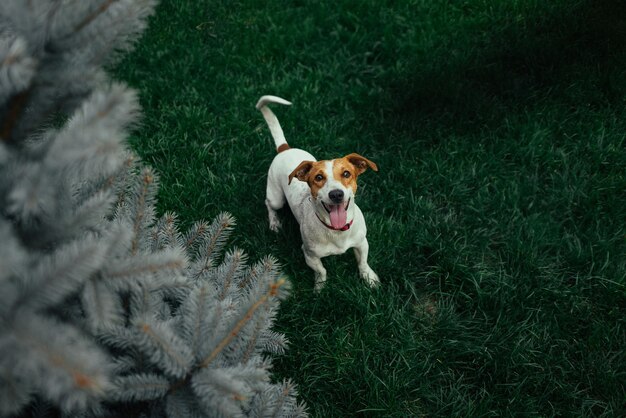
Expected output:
(104, 307)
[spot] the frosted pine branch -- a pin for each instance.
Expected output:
(17, 67)
(229, 272)
(105, 115)
(278, 401)
(163, 347)
(102, 306)
(274, 291)
(195, 235)
(183, 403)
(106, 26)
(101, 303)
(198, 307)
(140, 206)
(61, 274)
(139, 387)
(218, 388)
(71, 370)
(146, 303)
(124, 273)
(265, 268)
(212, 243)
(165, 233)
(79, 37)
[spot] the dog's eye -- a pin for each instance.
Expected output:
(346, 174)
(319, 177)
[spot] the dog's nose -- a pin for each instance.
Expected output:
(336, 195)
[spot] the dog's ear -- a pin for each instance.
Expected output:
(360, 163)
(302, 171)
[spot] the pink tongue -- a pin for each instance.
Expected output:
(338, 216)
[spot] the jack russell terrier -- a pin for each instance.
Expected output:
(322, 200)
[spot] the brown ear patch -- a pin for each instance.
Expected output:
(360, 163)
(345, 172)
(301, 171)
(311, 172)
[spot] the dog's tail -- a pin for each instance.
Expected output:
(272, 121)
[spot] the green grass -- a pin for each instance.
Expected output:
(497, 221)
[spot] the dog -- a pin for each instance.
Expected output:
(321, 198)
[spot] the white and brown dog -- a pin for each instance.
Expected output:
(322, 200)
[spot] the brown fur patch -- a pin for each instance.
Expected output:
(342, 166)
(301, 172)
(282, 147)
(308, 171)
(360, 163)
(314, 184)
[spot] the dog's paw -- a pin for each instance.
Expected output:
(320, 280)
(275, 224)
(370, 277)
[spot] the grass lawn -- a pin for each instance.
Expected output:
(497, 221)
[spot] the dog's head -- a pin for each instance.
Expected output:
(333, 183)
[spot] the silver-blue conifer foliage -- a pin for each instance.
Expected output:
(102, 304)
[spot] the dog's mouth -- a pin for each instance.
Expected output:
(338, 213)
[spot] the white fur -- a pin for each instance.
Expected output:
(318, 241)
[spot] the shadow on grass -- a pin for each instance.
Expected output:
(534, 59)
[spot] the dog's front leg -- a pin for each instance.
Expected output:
(316, 264)
(365, 271)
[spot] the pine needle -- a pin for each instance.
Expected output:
(273, 292)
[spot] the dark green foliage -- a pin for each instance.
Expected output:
(497, 221)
